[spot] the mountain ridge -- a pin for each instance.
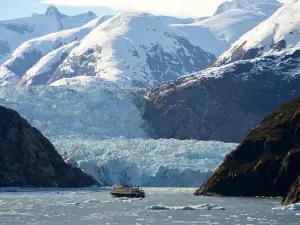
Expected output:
(253, 5)
(277, 33)
(46, 60)
(17, 31)
(221, 30)
(157, 53)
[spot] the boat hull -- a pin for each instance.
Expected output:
(122, 195)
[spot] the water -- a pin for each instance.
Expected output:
(161, 206)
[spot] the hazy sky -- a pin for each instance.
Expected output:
(183, 8)
(197, 8)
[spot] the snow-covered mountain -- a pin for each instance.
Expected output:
(259, 6)
(135, 50)
(129, 49)
(223, 103)
(14, 32)
(217, 33)
(54, 47)
(279, 32)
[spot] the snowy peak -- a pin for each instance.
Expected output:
(53, 11)
(260, 5)
(128, 50)
(17, 31)
(32, 51)
(90, 13)
(280, 32)
(133, 50)
(217, 33)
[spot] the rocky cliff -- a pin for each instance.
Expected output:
(293, 194)
(28, 159)
(266, 162)
(223, 103)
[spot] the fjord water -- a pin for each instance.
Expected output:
(161, 206)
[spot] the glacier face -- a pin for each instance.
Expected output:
(144, 162)
(101, 130)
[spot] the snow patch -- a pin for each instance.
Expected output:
(217, 33)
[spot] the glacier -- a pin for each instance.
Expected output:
(144, 162)
(102, 112)
(101, 130)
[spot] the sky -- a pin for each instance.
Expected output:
(182, 8)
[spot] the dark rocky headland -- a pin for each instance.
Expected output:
(266, 163)
(28, 159)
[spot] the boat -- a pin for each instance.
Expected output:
(127, 191)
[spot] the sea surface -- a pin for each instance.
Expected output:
(161, 206)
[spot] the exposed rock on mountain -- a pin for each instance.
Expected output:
(14, 32)
(29, 159)
(223, 103)
(266, 163)
(278, 33)
(51, 10)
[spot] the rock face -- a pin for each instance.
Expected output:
(293, 194)
(28, 159)
(266, 163)
(223, 103)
